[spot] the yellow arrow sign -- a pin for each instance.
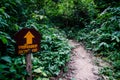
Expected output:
(29, 36)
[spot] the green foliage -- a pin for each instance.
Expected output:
(54, 53)
(102, 4)
(70, 13)
(97, 22)
(103, 37)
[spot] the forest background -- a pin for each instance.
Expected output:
(96, 23)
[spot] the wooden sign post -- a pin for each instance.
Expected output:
(29, 65)
(27, 42)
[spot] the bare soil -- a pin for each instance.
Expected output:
(82, 64)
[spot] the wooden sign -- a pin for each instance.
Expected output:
(27, 39)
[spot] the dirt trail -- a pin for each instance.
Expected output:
(81, 66)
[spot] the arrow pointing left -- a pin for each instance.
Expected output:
(29, 36)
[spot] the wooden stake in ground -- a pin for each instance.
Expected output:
(29, 65)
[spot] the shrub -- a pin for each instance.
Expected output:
(103, 37)
(15, 15)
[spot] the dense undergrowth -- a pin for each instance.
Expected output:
(94, 22)
(102, 35)
(54, 53)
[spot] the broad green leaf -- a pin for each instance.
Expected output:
(2, 66)
(4, 40)
(103, 44)
(12, 69)
(16, 26)
(2, 10)
(6, 58)
(38, 70)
